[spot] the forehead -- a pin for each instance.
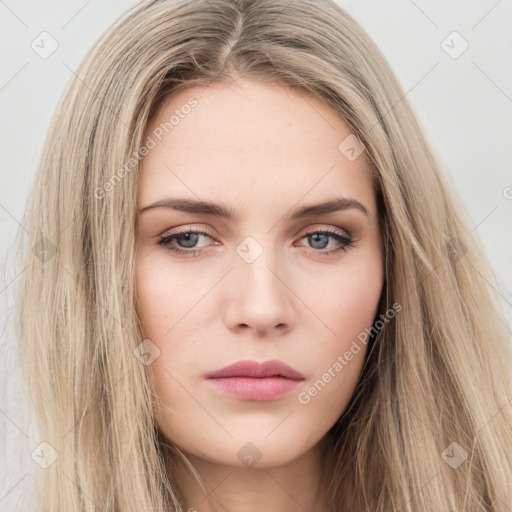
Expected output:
(246, 141)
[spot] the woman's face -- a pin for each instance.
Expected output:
(265, 281)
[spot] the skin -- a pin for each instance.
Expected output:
(264, 151)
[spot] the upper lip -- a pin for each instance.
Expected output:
(272, 368)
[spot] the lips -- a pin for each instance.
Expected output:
(272, 368)
(250, 380)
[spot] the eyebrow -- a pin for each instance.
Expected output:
(218, 210)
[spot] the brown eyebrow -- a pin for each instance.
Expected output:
(221, 211)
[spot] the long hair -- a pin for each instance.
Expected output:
(429, 426)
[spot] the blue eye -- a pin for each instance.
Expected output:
(187, 241)
(320, 239)
(189, 238)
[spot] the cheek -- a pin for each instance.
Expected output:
(347, 301)
(170, 314)
(151, 295)
(164, 295)
(348, 307)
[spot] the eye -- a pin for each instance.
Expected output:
(320, 240)
(187, 240)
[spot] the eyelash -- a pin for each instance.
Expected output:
(346, 241)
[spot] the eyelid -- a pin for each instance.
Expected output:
(324, 227)
(185, 229)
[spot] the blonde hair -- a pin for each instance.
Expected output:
(440, 373)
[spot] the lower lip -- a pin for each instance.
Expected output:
(251, 388)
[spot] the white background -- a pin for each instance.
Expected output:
(464, 104)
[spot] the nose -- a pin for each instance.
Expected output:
(261, 300)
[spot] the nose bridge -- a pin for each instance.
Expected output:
(257, 265)
(261, 300)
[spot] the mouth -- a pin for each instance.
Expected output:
(250, 380)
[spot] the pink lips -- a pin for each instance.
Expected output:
(251, 380)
